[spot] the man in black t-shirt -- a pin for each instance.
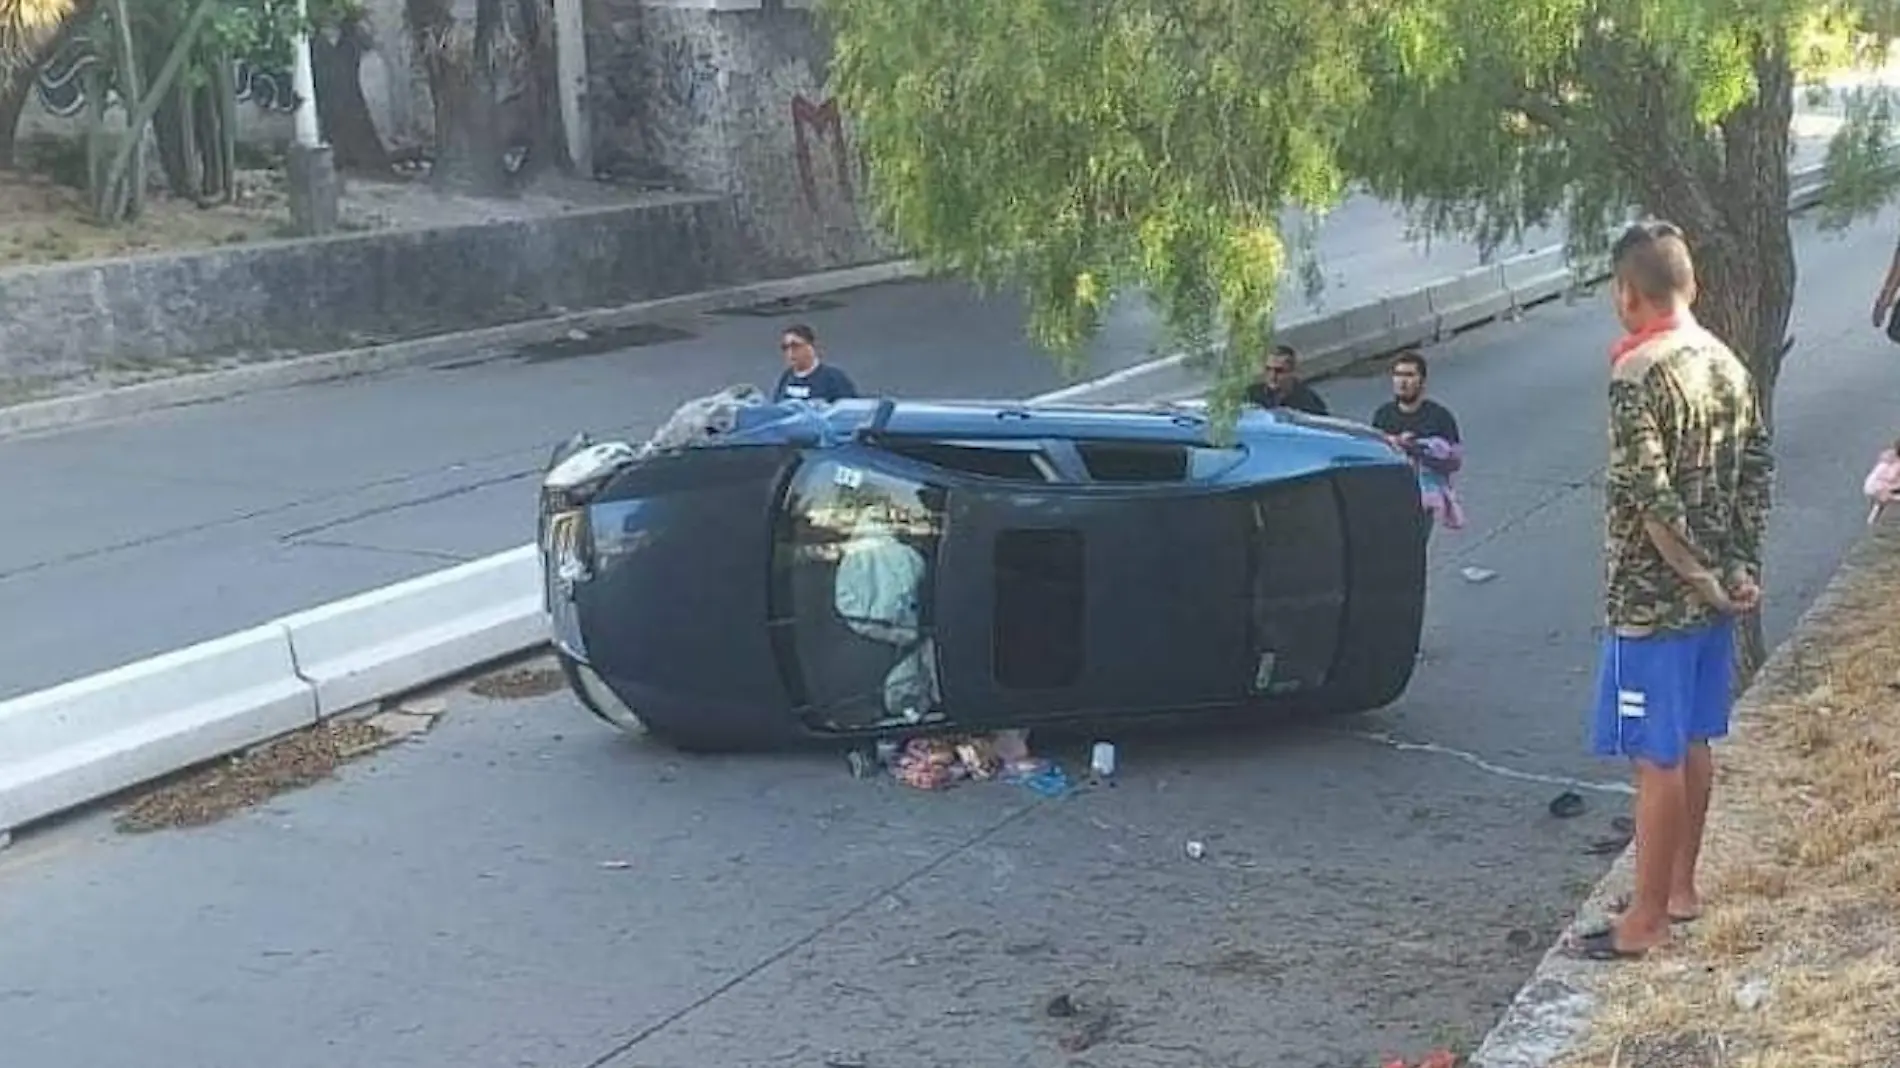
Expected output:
(1426, 431)
(806, 377)
(1280, 385)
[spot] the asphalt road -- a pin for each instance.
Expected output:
(130, 539)
(523, 889)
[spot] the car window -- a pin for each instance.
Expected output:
(829, 498)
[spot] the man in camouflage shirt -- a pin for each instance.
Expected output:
(1687, 498)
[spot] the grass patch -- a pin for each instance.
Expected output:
(1797, 960)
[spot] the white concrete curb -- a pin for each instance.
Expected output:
(364, 648)
(94, 736)
(81, 741)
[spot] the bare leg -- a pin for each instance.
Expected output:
(1662, 810)
(1698, 767)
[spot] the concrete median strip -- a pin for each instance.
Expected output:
(364, 648)
(95, 736)
(82, 741)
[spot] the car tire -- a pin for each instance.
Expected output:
(604, 705)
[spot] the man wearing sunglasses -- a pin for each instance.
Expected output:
(1280, 386)
(806, 377)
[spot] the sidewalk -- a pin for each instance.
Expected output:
(130, 539)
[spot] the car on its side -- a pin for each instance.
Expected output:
(759, 574)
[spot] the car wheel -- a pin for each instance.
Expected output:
(598, 698)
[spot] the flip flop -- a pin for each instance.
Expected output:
(1601, 945)
(1607, 846)
(1621, 903)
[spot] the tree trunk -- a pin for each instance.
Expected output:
(1730, 196)
(13, 100)
(22, 81)
(468, 143)
(342, 111)
(540, 114)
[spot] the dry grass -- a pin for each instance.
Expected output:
(42, 221)
(1797, 961)
(519, 683)
(291, 762)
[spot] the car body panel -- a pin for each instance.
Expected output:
(1063, 562)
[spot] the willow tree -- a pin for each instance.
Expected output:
(1075, 148)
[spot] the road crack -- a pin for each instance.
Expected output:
(1491, 767)
(864, 904)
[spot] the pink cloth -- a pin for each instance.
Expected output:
(1436, 459)
(1883, 482)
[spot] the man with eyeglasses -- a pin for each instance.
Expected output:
(806, 377)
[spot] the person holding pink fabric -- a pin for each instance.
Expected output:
(1426, 431)
(1883, 482)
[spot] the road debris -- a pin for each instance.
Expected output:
(515, 684)
(1196, 850)
(1752, 994)
(1438, 1058)
(1478, 575)
(616, 865)
(1102, 761)
(935, 763)
(401, 724)
(1060, 1007)
(248, 779)
(1089, 1033)
(1568, 805)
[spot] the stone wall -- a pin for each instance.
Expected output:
(274, 298)
(728, 96)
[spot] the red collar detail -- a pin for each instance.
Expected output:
(1629, 342)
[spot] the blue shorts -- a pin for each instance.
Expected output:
(1656, 695)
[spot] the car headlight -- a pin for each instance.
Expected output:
(566, 548)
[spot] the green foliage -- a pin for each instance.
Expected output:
(1079, 148)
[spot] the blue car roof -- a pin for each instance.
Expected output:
(1284, 442)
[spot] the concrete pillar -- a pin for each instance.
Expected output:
(314, 188)
(570, 61)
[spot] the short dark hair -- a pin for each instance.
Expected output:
(1414, 358)
(1285, 350)
(803, 333)
(1652, 257)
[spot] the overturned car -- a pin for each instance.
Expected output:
(761, 573)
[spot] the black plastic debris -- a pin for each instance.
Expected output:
(1567, 805)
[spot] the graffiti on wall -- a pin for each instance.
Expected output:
(687, 76)
(823, 122)
(61, 85)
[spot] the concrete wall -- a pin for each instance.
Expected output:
(728, 96)
(265, 299)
